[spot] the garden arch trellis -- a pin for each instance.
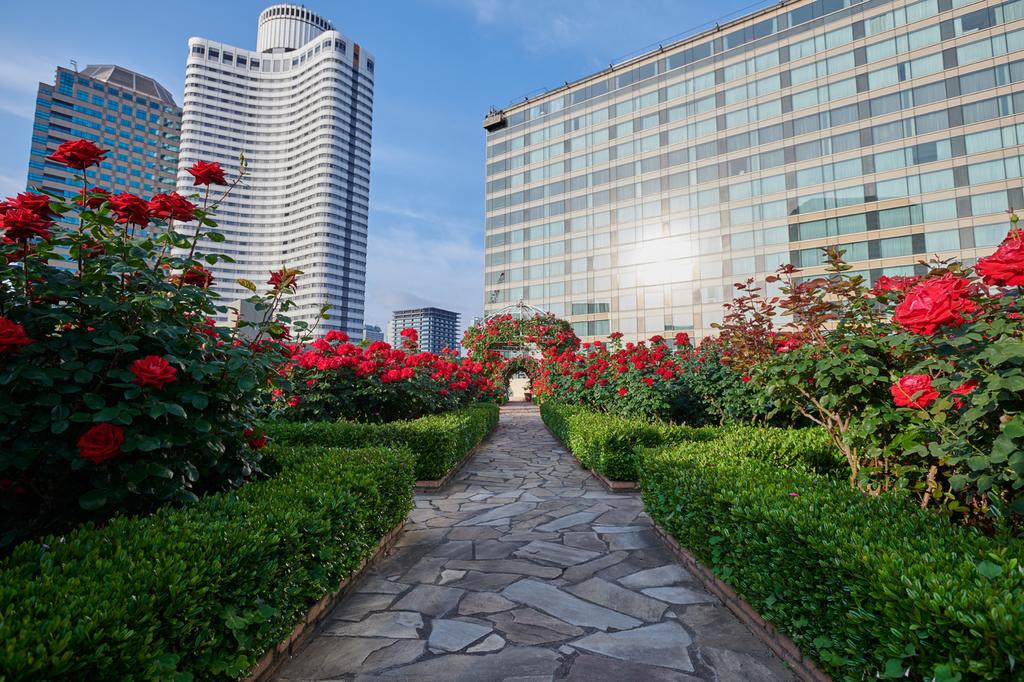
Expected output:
(516, 339)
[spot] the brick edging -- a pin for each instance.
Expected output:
(780, 644)
(438, 484)
(614, 486)
(272, 660)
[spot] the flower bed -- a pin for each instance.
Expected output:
(863, 585)
(332, 378)
(201, 591)
(438, 442)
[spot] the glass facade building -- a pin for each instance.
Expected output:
(438, 329)
(633, 199)
(132, 116)
(300, 108)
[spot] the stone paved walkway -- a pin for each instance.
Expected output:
(524, 569)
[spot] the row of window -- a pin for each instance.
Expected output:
(271, 65)
(925, 123)
(973, 21)
(918, 96)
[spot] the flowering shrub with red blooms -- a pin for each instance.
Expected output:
(118, 392)
(655, 379)
(919, 381)
(507, 344)
(635, 379)
(333, 379)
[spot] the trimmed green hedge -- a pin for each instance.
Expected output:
(198, 592)
(438, 441)
(607, 443)
(863, 585)
(809, 447)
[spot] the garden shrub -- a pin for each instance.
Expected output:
(333, 379)
(863, 585)
(439, 442)
(919, 380)
(198, 592)
(607, 443)
(810, 447)
(118, 391)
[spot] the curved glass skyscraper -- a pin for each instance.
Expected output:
(299, 107)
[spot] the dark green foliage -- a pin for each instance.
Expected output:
(439, 442)
(810, 447)
(864, 585)
(607, 443)
(199, 592)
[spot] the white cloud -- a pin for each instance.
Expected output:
(409, 268)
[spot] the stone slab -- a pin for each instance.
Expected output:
(663, 645)
(567, 607)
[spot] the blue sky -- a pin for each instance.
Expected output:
(440, 65)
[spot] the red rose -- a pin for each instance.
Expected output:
(22, 224)
(171, 206)
(1005, 267)
(129, 209)
(197, 276)
(885, 284)
(914, 390)
(284, 279)
(335, 335)
(94, 197)
(965, 388)
(78, 154)
(623, 392)
(101, 442)
(934, 303)
(207, 173)
(682, 339)
(12, 336)
(154, 371)
(37, 203)
(255, 442)
(294, 401)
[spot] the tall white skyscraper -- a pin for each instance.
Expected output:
(299, 107)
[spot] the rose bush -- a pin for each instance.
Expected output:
(118, 391)
(333, 379)
(919, 381)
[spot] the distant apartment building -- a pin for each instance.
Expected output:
(372, 332)
(438, 329)
(127, 113)
(299, 107)
(634, 198)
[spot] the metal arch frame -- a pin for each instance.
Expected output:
(519, 311)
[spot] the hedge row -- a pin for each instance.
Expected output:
(609, 443)
(198, 592)
(866, 586)
(438, 442)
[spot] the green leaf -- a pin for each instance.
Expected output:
(988, 569)
(94, 499)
